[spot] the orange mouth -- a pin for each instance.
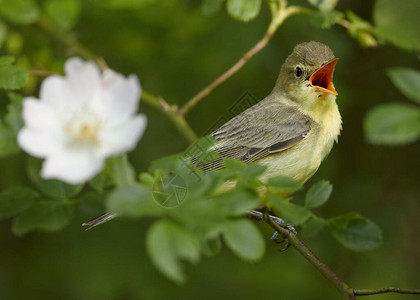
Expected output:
(322, 79)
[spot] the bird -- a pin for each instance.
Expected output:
(292, 130)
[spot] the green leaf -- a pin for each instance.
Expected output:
(244, 239)
(397, 23)
(133, 201)
(284, 184)
(16, 199)
(234, 164)
(211, 246)
(14, 117)
(12, 77)
(326, 19)
(167, 243)
(355, 232)
(6, 60)
(407, 81)
(122, 172)
(210, 7)
(392, 124)
(8, 143)
(243, 10)
(324, 5)
(200, 150)
(313, 227)
(291, 213)
(44, 216)
(19, 11)
(101, 182)
(63, 13)
(50, 187)
(238, 201)
(318, 194)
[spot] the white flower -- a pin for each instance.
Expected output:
(80, 120)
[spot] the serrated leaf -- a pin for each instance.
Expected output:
(12, 78)
(101, 182)
(291, 213)
(392, 124)
(121, 171)
(63, 13)
(234, 164)
(6, 60)
(52, 188)
(19, 11)
(8, 143)
(243, 10)
(238, 201)
(44, 216)
(167, 243)
(318, 194)
(398, 23)
(16, 199)
(313, 227)
(14, 117)
(355, 232)
(407, 81)
(211, 246)
(244, 239)
(284, 184)
(253, 170)
(133, 201)
(324, 5)
(325, 19)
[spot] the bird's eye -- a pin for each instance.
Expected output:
(299, 71)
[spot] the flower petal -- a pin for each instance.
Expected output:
(38, 115)
(38, 143)
(73, 166)
(119, 96)
(122, 138)
(55, 92)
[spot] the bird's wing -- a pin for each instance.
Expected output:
(267, 127)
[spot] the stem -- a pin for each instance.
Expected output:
(279, 14)
(344, 289)
(171, 112)
(368, 292)
(311, 257)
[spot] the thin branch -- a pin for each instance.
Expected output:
(171, 113)
(279, 15)
(311, 257)
(343, 288)
(368, 292)
(157, 102)
(40, 73)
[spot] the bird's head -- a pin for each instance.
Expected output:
(306, 76)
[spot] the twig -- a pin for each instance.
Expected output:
(368, 292)
(171, 113)
(40, 73)
(279, 14)
(344, 289)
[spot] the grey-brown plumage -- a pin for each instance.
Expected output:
(297, 112)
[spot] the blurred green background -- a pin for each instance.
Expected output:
(176, 51)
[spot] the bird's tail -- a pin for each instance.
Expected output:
(99, 220)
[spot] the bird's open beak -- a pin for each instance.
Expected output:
(322, 79)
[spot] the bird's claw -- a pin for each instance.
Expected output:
(276, 237)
